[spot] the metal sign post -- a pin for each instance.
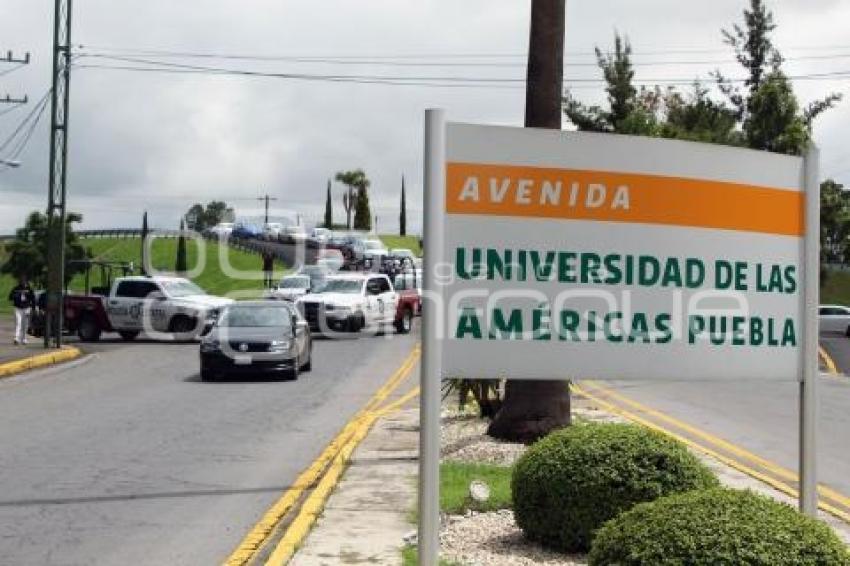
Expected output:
(809, 383)
(431, 364)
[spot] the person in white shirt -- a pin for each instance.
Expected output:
(23, 298)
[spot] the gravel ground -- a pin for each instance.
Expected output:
(464, 437)
(493, 539)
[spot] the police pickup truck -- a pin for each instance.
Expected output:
(350, 303)
(170, 306)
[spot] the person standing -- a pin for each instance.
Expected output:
(268, 269)
(23, 298)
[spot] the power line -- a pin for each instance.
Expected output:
(154, 65)
(12, 109)
(19, 148)
(401, 61)
(10, 58)
(433, 55)
(38, 108)
(13, 69)
(404, 82)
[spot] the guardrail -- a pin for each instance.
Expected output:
(286, 252)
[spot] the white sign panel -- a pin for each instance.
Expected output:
(576, 255)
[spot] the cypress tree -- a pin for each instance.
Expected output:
(180, 265)
(329, 217)
(402, 217)
(362, 213)
(143, 256)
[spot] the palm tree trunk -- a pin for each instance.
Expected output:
(532, 409)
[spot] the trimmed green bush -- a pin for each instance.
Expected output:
(572, 481)
(717, 527)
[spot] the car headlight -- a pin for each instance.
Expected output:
(212, 314)
(279, 345)
(210, 346)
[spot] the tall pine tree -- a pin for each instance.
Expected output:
(143, 256)
(402, 217)
(181, 263)
(329, 217)
(362, 212)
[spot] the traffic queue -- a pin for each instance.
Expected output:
(271, 335)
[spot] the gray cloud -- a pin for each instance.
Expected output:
(162, 141)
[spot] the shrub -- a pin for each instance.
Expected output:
(569, 483)
(716, 527)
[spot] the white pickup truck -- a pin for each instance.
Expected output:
(353, 302)
(171, 305)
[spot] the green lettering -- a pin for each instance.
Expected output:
(468, 323)
(510, 329)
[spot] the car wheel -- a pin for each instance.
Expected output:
(308, 365)
(356, 323)
(404, 325)
(207, 374)
(128, 335)
(292, 374)
(88, 331)
(847, 332)
(181, 325)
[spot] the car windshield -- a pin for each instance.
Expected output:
(313, 270)
(374, 245)
(255, 316)
(182, 288)
(295, 283)
(352, 286)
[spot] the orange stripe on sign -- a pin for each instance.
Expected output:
(507, 190)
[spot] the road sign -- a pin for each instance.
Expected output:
(618, 257)
(557, 255)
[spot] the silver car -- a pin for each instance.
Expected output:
(834, 318)
(254, 337)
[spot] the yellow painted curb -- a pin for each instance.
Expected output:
(312, 508)
(258, 535)
(731, 462)
(827, 360)
(67, 353)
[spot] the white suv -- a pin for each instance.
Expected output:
(351, 302)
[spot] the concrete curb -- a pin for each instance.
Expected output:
(331, 462)
(315, 503)
(67, 353)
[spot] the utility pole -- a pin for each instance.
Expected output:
(10, 58)
(58, 171)
(266, 198)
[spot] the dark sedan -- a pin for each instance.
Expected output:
(254, 337)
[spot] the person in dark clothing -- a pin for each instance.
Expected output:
(23, 299)
(268, 269)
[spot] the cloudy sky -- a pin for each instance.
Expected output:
(161, 141)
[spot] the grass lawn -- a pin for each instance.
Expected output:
(213, 277)
(409, 242)
(835, 288)
(410, 557)
(454, 487)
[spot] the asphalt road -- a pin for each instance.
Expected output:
(127, 458)
(837, 346)
(759, 416)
